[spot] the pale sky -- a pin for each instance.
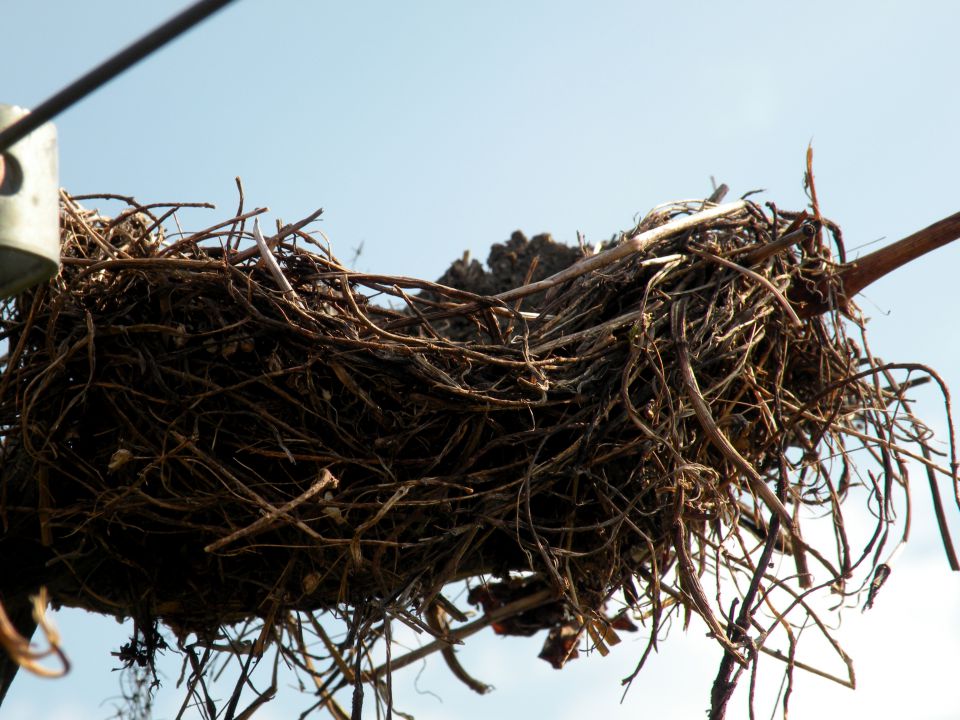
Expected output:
(428, 128)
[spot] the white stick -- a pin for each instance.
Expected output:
(271, 261)
(634, 245)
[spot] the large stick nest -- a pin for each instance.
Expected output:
(186, 440)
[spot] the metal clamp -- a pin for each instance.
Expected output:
(29, 207)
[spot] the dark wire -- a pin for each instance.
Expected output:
(109, 69)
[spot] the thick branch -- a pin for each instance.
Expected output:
(855, 276)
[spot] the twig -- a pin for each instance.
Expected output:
(694, 590)
(769, 286)
(18, 647)
(509, 610)
(284, 232)
(633, 246)
(719, 440)
(206, 233)
(326, 480)
(267, 254)
(437, 622)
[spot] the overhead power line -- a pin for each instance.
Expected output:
(109, 69)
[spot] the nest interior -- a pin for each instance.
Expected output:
(203, 435)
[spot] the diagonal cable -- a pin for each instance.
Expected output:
(109, 69)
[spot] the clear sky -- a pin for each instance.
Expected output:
(428, 128)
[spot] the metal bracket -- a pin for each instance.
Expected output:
(29, 207)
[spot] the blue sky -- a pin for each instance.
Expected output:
(428, 128)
